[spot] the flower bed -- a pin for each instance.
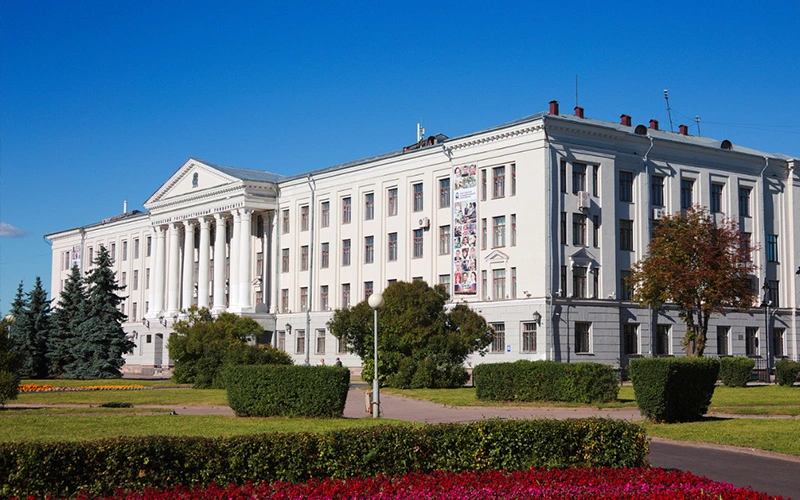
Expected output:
(531, 484)
(23, 388)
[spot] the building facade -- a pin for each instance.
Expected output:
(534, 224)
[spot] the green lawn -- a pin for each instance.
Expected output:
(158, 392)
(465, 396)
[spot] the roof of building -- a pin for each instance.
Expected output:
(246, 174)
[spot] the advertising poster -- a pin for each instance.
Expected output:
(465, 230)
(75, 257)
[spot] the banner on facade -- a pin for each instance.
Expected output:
(465, 230)
(75, 257)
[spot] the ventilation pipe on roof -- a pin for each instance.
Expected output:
(579, 111)
(554, 107)
(653, 124)
(683, 129)
(625, 120)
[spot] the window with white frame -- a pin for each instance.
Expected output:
(579, 289)
(325, 214)
(392, 247)
(578, 177)
(418, 197)
(687, 193)
(325, 255)
(369, 249)
(369, 206)
(579, 230)
(304, 298)
(444, 192)
(498, 182)
(723, 340)
(418, 244)
(285, 300)
(716, 197)
(285, 260)
(499, 284)
(300, 345)
(304, 218)
(347, 210)
(626, 186)
(392, 202)
(346, 252)
(304, 258)
(778, 339)
(320, 341)
(285, 221)
(323, 298)
(498, 231)
(346, 295)
(369, 289)
(662, 340)
(583, 331)
(499, 337)
(444, 240)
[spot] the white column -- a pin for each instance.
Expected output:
(204, 263)
(159, 273)
(188, 264)
(219, 264)
(174, 270)
(233, 280)
(245, 252)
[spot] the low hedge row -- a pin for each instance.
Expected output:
(546, 381)
(100, 467)
(287, 390)
(673, 389)
(736, 372)
(786, 371)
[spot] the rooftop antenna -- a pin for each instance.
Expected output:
(669, 112)
(697, 121)
(420, 132)
(125, 207)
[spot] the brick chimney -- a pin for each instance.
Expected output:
(625, 120)
(554, 107)
(579, 111)
(654, 124)
(683, 129)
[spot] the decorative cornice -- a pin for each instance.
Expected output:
(499, 136)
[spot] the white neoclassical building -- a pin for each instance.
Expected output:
(534, 223)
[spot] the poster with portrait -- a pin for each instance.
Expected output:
(465, 223)
(75, 257)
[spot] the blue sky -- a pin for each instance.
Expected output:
(102, 101)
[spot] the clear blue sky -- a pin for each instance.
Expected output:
(101, 101)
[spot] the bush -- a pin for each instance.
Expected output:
(9, 386)
(673, 389)
(101, 467)
(546, 381)
(736, 372)
(291, 391)
(786, 371)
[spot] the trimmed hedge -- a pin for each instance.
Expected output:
(673, 389)
(786, 371)
(101, 467)
(287, 390)
(546, 381)
(736, 372)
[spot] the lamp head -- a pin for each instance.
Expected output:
(375, 301)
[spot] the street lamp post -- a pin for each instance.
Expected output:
(376, 302)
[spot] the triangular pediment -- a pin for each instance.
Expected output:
(496, 257)
(583, 258)
(194, 176)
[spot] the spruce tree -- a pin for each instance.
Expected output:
(38, 316)
(100, 340)
(70, 312)
(19, 333)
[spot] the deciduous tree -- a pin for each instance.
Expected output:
(9, 362)
(421, 343)
(700, 266)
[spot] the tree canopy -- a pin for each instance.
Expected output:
(421, 342)
(202, 347)
(30, 330)
(64, 321)
(698, 265)
(9, 362)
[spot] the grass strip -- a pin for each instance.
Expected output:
(173, 396)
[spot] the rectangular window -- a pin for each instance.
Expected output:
(513, 230)
(323, 298)
(657, 190)
(772, 248)
(563, 281)
(149, 244)
(778, 335)
(484, 235)
(369, 250)
(282, 340)
(484, 286)
(285, 221)
(626, 186)
(392, 250)
(136, 248)
(304, 258)
(320, 341)
(346, 295)
(369, 289)
(513, 179)
(563, 177)
(630, 335)
(444, 193)
(483, 184)
(662, 340)
(723, 340)
(134, 311)
(498, 182)
(418, 243)
(285, 300)
(135, 284)
(513, 282)
(369, 206)
(626, 234)
(579, 282)
(578, 177)
(529, 337)
(596, 231)
(125, 250)
(751, 341)
(773, 293)
(499, 338)
(744, 201)
(147, 278)
(716, 197)
(498, 231)
(304, 298)
(444, 240)
(304, 218)
(113, 254)
(444, 279)
(300, 345)
(418, 199)
(579, 230)
(259, 264)
(745, 241)
(285, 260)
(346, 252)
(499, 284)
(325, 257)
(392, 202)
(325, 214)
(687, 193)
(347, 210)
(582, 337)
(595, 180)
(625, 286)
(124, 280)
(563, 228)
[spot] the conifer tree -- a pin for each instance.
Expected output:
(9, 362)
(100, 340)
(70, 312)
(38, 319)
